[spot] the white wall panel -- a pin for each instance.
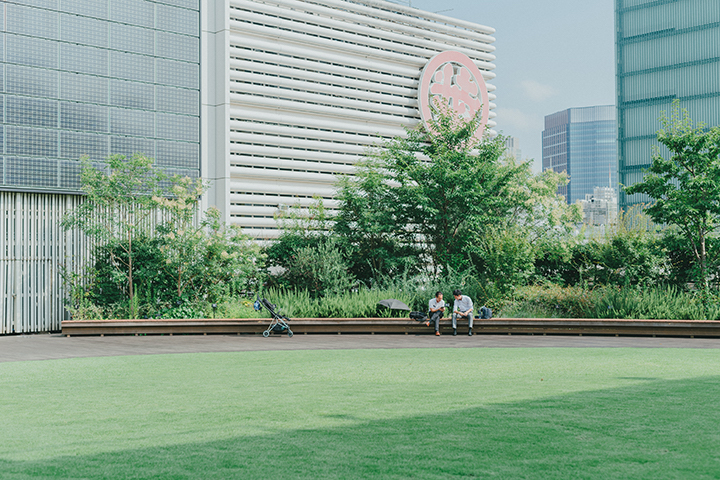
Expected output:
(314, 84)
(33, 249)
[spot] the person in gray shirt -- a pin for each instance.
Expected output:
(462, 308)
(437, 309)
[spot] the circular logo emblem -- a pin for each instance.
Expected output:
(454, 79)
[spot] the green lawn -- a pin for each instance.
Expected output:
(425, 413)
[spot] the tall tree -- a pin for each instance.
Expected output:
(685, 188)
(119, 200)
(438, 189)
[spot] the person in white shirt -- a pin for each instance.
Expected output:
(462, 308)
(437, 309)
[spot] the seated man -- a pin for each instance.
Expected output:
(437, 309)
(462, 308)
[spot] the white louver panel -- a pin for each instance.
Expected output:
(315, 83)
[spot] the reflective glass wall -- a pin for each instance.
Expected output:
(582, 142)
(666, 50)
(97, 77)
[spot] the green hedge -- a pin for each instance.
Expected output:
(669, 303)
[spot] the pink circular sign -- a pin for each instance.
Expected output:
(453, 77)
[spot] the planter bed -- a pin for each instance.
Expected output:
(505, 326)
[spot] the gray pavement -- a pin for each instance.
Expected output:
(55, 346)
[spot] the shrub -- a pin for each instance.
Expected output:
(671, 303)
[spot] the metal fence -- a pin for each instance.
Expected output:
(33, 251)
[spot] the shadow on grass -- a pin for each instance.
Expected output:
(659, 429)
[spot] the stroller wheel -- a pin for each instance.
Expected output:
(266, 334)
(290, 334)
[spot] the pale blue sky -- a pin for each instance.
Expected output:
(551, 55)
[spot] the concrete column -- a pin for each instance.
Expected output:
(215, 103)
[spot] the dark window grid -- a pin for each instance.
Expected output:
(31, 51)
(132, 95)
(31, 171)
(84, 88)
(178, 154)
(93, 90)
(130, 145)
(178, 74)
(28, 145)
(189, 4)
(125, 68)
(178, 127)
(129, 66)
(31, 141)
(132, 12)
(32, 21)
(132, 122)
(31, 111)
(94, 118)
(192, 173)
(84, 59)
(87, 8)
(133, 39)
(84, 30)
(70, 175)
(177, 20)
(91, 59)
(135, 12)
(177, 47)
(77, 144)
(176, 100)
(84, 117)
(25, 110)
(47, 4)
(31, 81)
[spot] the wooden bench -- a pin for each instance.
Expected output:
(506, 326)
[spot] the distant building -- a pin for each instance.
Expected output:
(665, 51)
(582, 143)
(600, 207)
(512, 145)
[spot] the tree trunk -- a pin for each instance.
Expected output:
(131, 293)
(703, 261)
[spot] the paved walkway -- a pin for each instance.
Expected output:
(55, 346)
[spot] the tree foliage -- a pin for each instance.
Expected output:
(685, 188)
(119, 199)
(307, 256)
(628, 252)
(152, 253)
(441, 197)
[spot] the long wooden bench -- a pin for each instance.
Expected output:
(506, 326)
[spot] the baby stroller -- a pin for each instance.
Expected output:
(278, 323)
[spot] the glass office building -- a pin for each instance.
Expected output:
(582, 143)
(666, 50)
(97, 77)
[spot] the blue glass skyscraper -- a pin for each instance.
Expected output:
(666, 50)
(582, 143)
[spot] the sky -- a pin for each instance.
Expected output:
(551, 55)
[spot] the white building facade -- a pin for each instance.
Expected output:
(600, 207)
(297, 91)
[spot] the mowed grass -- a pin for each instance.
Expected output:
(417, 413)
